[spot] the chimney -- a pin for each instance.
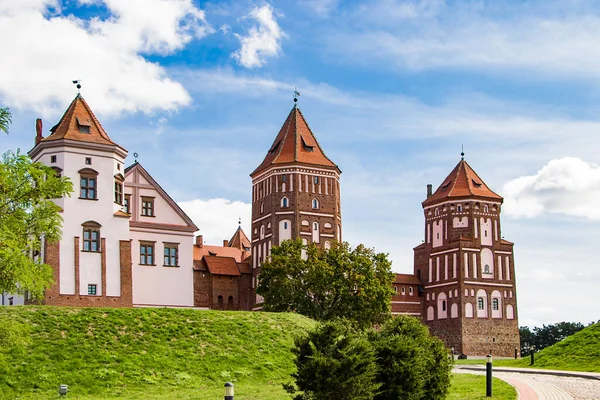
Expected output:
(199, 241)
(429, 190)
(225, 243)
(38, 130)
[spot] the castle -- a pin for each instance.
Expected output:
(126, 243)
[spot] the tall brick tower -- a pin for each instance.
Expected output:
(295, 192)
(467, 268)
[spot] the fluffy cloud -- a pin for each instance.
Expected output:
(262, 40)
(47, 49)
(567, 186)
(217, 218)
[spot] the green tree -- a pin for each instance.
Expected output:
(334, 362)
(5, 119)
(326, 284)
(547, 335)
(27, 214)
(413, 364)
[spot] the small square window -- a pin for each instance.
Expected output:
(118, 167)
(88, 161)
(91, 240)
(170, 253)
(84, 129)
(52, 159)
(92, 290)
(148, 206)
(146, 254)
(127, 204)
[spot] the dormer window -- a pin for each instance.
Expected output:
(275, 147)
(84, 125)
(475, 183)
(306, 146)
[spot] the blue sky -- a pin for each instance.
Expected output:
(392, 89)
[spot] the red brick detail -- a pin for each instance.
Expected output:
(76, 258)
(201, 289)
(103, 265)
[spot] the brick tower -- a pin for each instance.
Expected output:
(467, 268)
(295, 192)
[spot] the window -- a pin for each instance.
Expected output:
(283, 178)
(91, 239)
(11, 301)
(52, 159)
(315, 203)
(146, 253)
(84, 125)
(403, 290)
(92, 290)
(495, 305)
(88, 161)
(148, 206)
(486, 269)
(443, 305)
(118, 193)
(284, 202)
(171, 250)
(459, 208)
(396, 289)
(88, 184)
(437, 212)
(127, 203)
(410, 291)
(316, 226)
(262, 208)
(316, 180)
(480, 303)
(485, 208)
(285, 225)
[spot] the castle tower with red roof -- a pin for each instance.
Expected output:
(467, 268)
(295, 192)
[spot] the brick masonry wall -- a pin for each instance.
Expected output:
(225, 286)
(245, 292)
(201, 289)
(482, 335)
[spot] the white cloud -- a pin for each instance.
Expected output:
(48, 49)
(218, 219)
(568, 186)
(263, 40)
(320, 7)
(434, 35)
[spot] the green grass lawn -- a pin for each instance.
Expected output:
(578, 352)
(472, 387)
(157, 353)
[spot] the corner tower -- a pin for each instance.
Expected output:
(467, 268)
(295, 192)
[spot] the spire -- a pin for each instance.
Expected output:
(462, 182)
(79, 123)
(295, 143)
(239, 239)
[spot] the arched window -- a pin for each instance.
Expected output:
(230, 303)
(486, 208)
(430, 313)
(262, 231)
(262, 208)
(403, 291)
(316, 238)
(315, 203)
(91, 236)
(220, 302)
(459, 208)
(480, 303)
(454, 310)
(468, 310)
(494, 304)
(510, 312)
(410, 291)
(442, 306)
(395, 289)
(303, 253)
(327, 245)
(437, 212)
(284, 202)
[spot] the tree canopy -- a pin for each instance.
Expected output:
(5, 119)
(326, 284)
(27, 214)
(547, 335)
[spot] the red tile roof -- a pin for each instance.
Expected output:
(407, 279)
(244, 268)
(239, 240)
(79, 114)
(463, 182)
(295, 143)
(222, 265)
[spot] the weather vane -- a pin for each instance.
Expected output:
(296, 94)
(78, 83)
(462, 152)
(240, 221)
(135, 156)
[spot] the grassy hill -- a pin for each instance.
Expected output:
(103, 353)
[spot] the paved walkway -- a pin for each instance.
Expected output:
(534, 384)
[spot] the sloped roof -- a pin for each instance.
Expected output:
(244, 268)
(407, 279)
(79, 114)
(222, 265)
(239, 240)
(136, 166)
(462, 182)
(295, 143)
(206, 250)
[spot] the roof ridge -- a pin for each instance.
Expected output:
(295, 110)
(313, 135)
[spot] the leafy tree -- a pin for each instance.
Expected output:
(27, 214)
(334, 362)
(5, 119)
(326, 284)
(413, 365)
(547, 335)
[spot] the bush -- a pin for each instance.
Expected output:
(334, 362)
(400, 361)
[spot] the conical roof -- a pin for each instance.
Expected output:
(79, 123)
(295, 143)
(462, 182)
(239, 240)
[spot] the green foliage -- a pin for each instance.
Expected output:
(26, 214)
(334, 362)
(5, 119)
(128, 352)
(547, 335)
(341, 282)
(412, 363)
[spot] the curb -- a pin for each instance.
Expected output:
(571, 374)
